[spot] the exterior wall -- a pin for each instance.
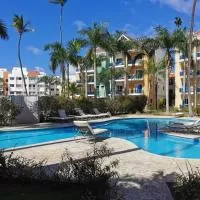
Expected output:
(13, 83)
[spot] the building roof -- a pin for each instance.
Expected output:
(33, 74)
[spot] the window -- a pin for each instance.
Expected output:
(11, 93)
(185, 102)
(18, 85)
(12, 78)
(19, 78)
(12, 85)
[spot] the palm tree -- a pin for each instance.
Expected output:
(49, 81)
(167, 41)
(124, 46)
(72, 89)
(95, 37)
(22, 27)
(190, 56)
(73, 53)
(62, 4)
(3, 31)
(58, 55)
(178, 21)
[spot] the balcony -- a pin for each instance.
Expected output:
(182, 58)
(135, 77)
(119, 79)
(198, 55)
(119, 63)
(138, 62)
(136, 91)
(90, 94)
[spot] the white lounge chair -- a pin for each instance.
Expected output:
(62, 116)
(96, 111)
(192, 126)
(86, 130)
(83, 115)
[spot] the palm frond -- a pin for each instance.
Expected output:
(3, 31)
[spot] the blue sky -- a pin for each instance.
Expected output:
(136, 17)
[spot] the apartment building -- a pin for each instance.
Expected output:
(138, 80)
(181, 87)
(13, 84)
(3, 82)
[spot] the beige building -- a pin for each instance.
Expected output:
(138, 80)
(181, 88)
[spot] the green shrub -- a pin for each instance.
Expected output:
(119, 105)
(8, 111)
(187, 186)
(92, 173)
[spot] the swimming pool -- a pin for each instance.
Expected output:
(143, 132)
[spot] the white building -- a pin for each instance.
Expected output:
(15, 84)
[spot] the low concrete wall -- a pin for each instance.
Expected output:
(28, 106)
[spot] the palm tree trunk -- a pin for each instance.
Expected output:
(167, 81)
(113, 78)
(95, 72)
(86, 86)
(190, 57)
(61, 22)
(20, 62)
(68, 80)
(126, 77)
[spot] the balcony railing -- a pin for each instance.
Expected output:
(182, 57)
(136, 77)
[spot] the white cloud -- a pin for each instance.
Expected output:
(183, 6)
(79, 24)
(35, 50)
(40, 69)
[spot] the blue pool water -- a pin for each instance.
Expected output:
(142, 132)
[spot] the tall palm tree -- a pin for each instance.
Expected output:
(95, 37)
(58, 55)
(61, 3)
(190, 56)
(167, 41)
(3, 31)
(73, 50)
(124, 46)
(178, 21)
(21, 27)
(147, 48)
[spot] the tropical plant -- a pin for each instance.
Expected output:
(167, 41)
(190, 56)
(58, 56)
(74, 58)
(95, 37)
(72, 89)
(124, 46)
(22, 27)
(3, 31)
(178, 21)
(8, 111)
(61, 3)
(49, 81)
